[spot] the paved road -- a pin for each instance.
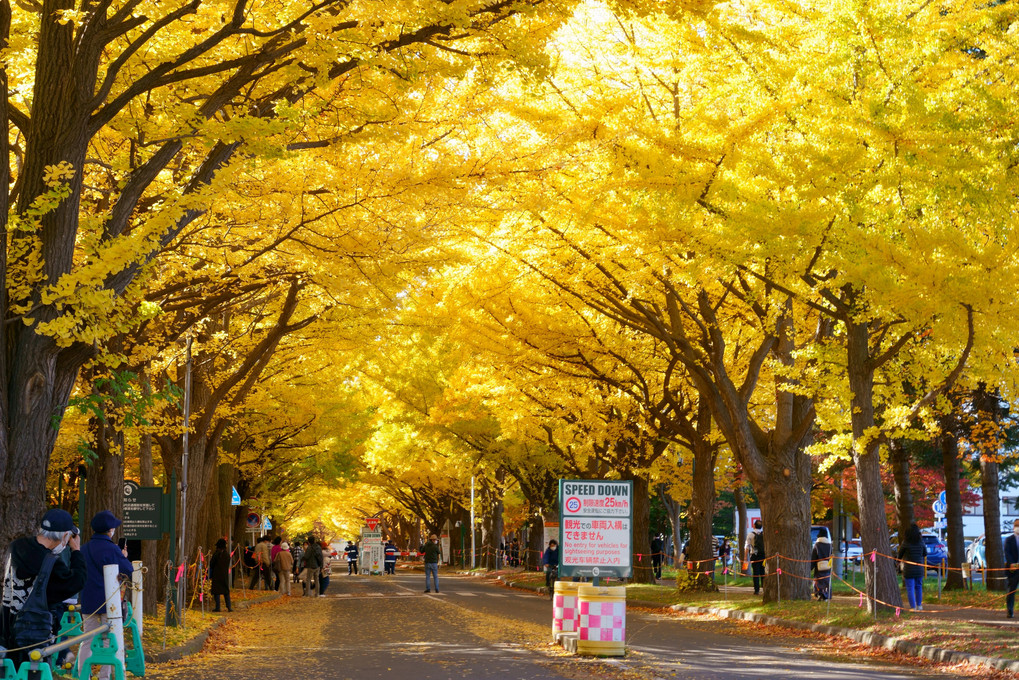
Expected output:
(386, 627)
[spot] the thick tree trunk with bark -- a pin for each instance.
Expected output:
(496, 527)
(149, 548)
(881, 579)
(642, 571)
(700, 514)
(785, 515)
(953, 499)
(226, 510)
(898, 458)
(994, 550)
(987, 407)
(104, 487)
(531, 557)
(8, 530)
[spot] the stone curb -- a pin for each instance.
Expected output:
(862, 636)
(865, 637)
(195, 644)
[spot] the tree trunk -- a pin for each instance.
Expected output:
(149, 548)
(8, 530)
(700, 514)
(672, 508)
(39, 388)
(226, 509)
(742, 524)
(898, 458)
(534, 546)
(987, 407)
(953, 499)
(104, 488)
(498, 525)
(994, 550)
(642, 571)
(881, 581)
(785, 512)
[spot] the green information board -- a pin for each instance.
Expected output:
(143, 517)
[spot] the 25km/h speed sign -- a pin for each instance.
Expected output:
(595, 528)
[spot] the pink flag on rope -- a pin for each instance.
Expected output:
(180, 572)
(778, 571)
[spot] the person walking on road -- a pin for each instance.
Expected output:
(219, 575)
(263, 562)
(1012, 561)
(285, 566)
(657, 550)
(820, 560)
(351, 552)
(99, 552)
(550, 560)
(391, 553)
(433, 553)
(724, 552)
(273, 552)
(313, 565)
(912, 552)
(755, 554)
(327, 566)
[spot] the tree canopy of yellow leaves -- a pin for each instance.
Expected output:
(501, 218)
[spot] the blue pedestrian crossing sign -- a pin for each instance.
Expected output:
(266, 525)
(235, 498)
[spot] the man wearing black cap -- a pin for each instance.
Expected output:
(56, 533)
(99, 552)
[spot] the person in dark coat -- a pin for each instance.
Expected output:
(391, 553)
(56, 533)
(219, 574)
(821, 562)
(912, 552)
(351, 552)
(1012, 562)
(313, 563)
(99, 552)
(657, 553)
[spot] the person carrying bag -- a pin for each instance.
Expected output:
(33, 625)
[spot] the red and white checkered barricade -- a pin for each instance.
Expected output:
(602, 623)
(564, 608)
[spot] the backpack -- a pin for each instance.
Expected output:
(33, 624)
(758, 545)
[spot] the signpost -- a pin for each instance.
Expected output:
(595, 528)
(143, 512)
(372, 554)
(940, 507)
(235, 500)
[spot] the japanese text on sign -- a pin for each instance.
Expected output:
(596, 499)
(596, 542)
(596, 528)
